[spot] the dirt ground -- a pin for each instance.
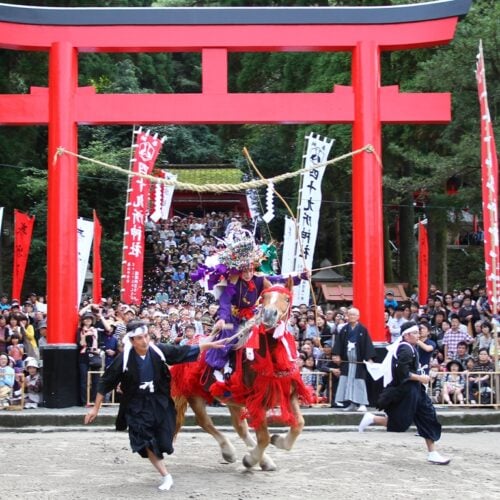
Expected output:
(348, 465)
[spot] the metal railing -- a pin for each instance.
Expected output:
(475, 394)
(473, 390)
(15, 399)
(112, 395)
(321, 385)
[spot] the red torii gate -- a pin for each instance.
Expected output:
(365, 32)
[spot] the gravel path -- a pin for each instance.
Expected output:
(348, 465)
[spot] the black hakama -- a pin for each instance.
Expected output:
(415, 407)
(151, 424)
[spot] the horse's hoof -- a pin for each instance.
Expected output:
(268, 465)
(275, 440)
(248, 462)
(228, 452)
(229, 457)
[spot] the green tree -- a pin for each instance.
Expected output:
(432, 155)
(416, 158)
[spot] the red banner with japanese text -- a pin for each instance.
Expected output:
(146, 150)
(23, 229)
(96, 262)
(423, 264)
(489, 180)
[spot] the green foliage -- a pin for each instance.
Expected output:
(415, 157)
(441, 152)
(465, 267)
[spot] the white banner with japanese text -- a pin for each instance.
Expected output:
(310, 197)
(288, 254)
(168, 193)
(85, 232)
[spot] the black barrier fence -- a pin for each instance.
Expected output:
(470, 389)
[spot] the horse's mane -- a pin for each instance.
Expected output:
(245, 331)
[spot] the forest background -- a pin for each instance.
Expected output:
(430, 171)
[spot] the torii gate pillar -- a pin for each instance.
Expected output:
(63, 186)
(367, 215)
(214, 32)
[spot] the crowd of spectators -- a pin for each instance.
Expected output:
(446, 319)
(456, 333)
(23, 331)
(456, 342)
(177, 247)
(456, 328)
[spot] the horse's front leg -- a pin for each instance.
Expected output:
(241, 427)
(203, 419)
(286, 442)
(256, 454)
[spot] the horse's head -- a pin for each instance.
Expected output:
(276, 302)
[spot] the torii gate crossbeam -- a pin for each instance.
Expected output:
(215, 32)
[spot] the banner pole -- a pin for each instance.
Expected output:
(287, 206)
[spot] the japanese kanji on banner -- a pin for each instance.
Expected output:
(85, 234)
(318, 149)
(489, 179)
(423, 263)
(147, 148)
(288, 250)
(23, 229)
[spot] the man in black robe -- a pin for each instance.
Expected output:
(405, 399)
(146, 407)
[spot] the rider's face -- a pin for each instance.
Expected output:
(247, 274)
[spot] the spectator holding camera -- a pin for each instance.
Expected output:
(425, 347)
(89, 355)
(108, 342)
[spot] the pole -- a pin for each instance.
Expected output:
(60, 357)
(368, 248)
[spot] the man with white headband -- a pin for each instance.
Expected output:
(146, 407)
(405, 399)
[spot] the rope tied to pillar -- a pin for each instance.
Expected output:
(214, 188)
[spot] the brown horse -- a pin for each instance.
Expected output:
(266, 384)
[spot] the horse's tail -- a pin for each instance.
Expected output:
(181, 404)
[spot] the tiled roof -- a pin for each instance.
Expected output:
(202, 176)
(343, 292)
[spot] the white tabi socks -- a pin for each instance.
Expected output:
(167, 483)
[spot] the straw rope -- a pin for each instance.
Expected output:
(214, 188)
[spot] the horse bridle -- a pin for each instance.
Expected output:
(285, 314)
(284, 290)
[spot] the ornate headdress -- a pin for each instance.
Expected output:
(241, 250)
